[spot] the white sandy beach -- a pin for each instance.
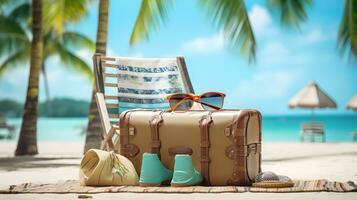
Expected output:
(60, 160)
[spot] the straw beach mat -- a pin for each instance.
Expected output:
(73, 186)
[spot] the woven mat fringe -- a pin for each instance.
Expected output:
(72, 186)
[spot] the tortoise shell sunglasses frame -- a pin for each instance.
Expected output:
(184, 97)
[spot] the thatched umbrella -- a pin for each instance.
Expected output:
(352, 104)
(312, 97)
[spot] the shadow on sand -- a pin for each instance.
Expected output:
(23, 162)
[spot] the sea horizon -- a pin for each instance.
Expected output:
(275, 128)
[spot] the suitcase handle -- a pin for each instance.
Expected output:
(180, 150)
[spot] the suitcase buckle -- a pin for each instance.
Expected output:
(156, 120)
(205, 160)
(155, 143)
(205, 120)
(227, 132)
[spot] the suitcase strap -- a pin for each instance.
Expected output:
(155, 124)
(204, 124)
(238, 150)
(126, 148)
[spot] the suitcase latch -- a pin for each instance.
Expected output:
(131, 131)
(253, 148)
(228, 132)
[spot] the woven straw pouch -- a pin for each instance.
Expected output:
(102, 168)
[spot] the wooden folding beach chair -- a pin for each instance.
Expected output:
(128, 83)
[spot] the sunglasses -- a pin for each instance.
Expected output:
(208, 100)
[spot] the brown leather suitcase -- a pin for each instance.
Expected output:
(225, 145)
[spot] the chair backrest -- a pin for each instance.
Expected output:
(313, 126)
(129, 83)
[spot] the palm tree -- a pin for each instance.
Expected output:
(16, 44)
(230, 16)
(15, 40)
(347, 34)
(94, 129)
(27, 144)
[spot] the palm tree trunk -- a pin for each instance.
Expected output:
(94, 135)
(47, 89)
(27, 143)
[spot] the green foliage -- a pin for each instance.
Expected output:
(292, 12)
(12, 35)
(347, 35)
(15, 42)
(57, 13)
(60, 107)
(152, 13)
(16, 59)
(232, 18)
(10, 108)
(64, 107)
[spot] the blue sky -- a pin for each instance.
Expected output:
(286, 60)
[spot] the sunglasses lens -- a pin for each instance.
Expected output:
(212, 101)
(180, 102)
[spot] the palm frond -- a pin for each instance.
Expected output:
(78, 40)
(292, 12)
(12, 35)
(232, 17)
(17, 59)
(21, 13)
(3, 4)
(152, 13)
(59, 12)
(72, 61)
(347, 35)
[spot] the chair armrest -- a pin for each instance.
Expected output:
(103, 113)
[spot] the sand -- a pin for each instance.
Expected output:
(60, 160)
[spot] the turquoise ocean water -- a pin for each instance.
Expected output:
(275, 128)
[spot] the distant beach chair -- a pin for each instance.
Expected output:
(313, 129)
(127, 83)
(354, 136)
(10, 128)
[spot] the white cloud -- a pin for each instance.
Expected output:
(314, 36)
(275, 48)
(274, 53)
(210, 44)
(136, 55)
(130, 53)
(260, 20)
(283, 54)
(267, 85)
(67, 83)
